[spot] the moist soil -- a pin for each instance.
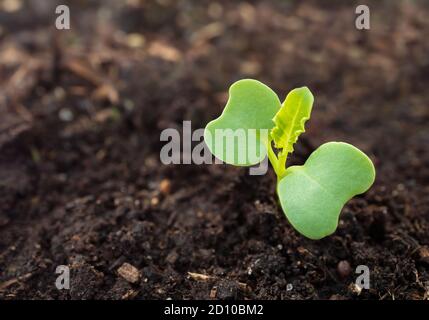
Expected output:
(82, 184)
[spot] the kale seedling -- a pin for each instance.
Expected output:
(311, 195)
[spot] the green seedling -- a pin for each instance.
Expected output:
(311, 195)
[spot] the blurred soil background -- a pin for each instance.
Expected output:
(81, 183)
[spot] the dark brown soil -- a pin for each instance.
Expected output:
(81, 183)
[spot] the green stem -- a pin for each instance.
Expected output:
(278, 163)
(272, 156)
(282, 165)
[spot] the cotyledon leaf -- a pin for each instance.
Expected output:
(313, 195)
(248, 114)
(290, 120)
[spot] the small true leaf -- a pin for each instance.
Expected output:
(313, 195)
(251, 105)
(290, 120)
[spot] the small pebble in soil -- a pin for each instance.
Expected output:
(129, 295)
(154, 201)
(344, 269)
(172, 257)
(424, 254)
(353, 287)
(165, 186)
(213, 293)
(59, 93)
(135, 40)
(66, 115)
(227, 290)
(129, 105)
(129, 272)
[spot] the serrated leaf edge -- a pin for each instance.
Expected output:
(292, 138)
